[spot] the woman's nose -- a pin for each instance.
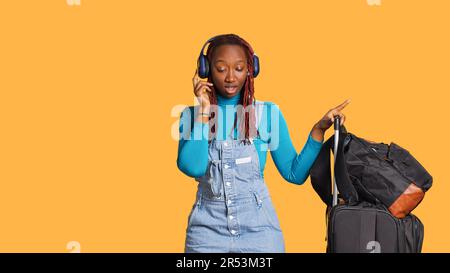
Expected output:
(230, 77)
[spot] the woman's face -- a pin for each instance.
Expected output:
(228, 69)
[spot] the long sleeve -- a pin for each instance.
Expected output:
(192, 157)
(293, 167)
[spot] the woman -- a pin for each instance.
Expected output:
(233, 211)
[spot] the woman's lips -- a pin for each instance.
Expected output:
(230, 89)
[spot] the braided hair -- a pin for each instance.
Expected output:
(246, 128)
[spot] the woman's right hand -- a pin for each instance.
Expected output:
(202, 90)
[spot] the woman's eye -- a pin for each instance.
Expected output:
(220, 69)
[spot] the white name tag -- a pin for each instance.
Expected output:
(244, 160)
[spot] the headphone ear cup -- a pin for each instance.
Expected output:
(203, 67)
(255, 66)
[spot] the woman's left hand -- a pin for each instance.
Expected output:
(328, 119)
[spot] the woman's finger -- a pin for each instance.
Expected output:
(203, 84)
(196, 74)
(198, 85)
(203, 87)
(334, 114)
(342, 119)
(338, 113)
(331, 117)
(195, 79)
(342, 105)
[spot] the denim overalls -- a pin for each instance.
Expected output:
(233, 211)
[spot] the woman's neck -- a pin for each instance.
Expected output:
(221, 100)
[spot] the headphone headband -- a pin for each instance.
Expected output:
(207, 42)
(203, 64)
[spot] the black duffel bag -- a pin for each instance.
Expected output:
(378, 173)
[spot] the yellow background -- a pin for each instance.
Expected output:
(86, 95)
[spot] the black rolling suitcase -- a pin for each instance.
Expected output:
(364, 227)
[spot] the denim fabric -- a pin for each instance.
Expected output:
(233, 211)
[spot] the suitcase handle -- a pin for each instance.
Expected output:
(337, 127)
(337, 123)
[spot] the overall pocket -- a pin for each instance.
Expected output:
(195, 209)
(192, 214)
(267, 212)
(244, 169)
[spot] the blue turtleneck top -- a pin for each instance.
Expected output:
(274, 136)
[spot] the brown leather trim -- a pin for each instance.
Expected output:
(407, 201)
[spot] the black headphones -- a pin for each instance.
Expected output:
(203, 64)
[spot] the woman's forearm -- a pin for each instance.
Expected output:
(201, 115)
(193, 147)
(193, 153)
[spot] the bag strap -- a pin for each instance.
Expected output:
(344, 184)
(321, 175)
(320, 172)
